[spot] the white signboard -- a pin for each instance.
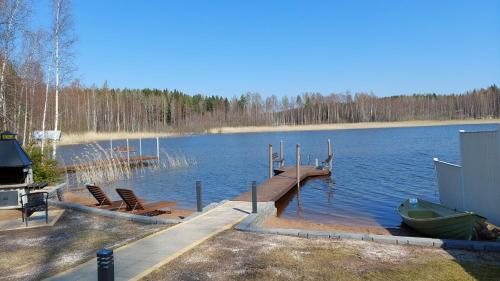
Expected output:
(47, 135)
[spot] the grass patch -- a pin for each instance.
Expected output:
(235, 255)
(32, 254)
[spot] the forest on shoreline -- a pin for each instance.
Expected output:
(124, 110)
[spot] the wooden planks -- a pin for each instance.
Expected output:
(274, 188)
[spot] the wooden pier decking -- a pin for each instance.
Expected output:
(277, 186)
(132, 161)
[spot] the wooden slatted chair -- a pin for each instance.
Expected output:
(103, 201)
(136, 206)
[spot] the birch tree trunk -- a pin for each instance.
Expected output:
(57, 66)
(5, 57)
(44, 118)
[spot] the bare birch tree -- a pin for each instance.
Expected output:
(12, 14)
(63, 41)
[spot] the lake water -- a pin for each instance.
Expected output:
(374, 170)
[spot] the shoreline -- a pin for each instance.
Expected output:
(88, 137)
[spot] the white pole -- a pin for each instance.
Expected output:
(158, 148)
(128, 154)
(270, 161)
(282, 157)
(140, 146)
(298, 166)
(329, 148)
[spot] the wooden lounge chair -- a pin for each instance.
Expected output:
(103, 201)
(136, 206)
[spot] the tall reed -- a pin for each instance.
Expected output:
(97, 165)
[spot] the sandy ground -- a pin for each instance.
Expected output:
(303, 224)
(31, 254)
(9, 214)
(74, 138)
(80, 198)
(235, 255)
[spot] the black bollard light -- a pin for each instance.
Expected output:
(105, 265)
(254, 197)
(199, 206)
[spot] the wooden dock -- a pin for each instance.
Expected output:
(279, 185)
(132, 161)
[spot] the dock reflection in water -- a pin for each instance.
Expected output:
(299, 205)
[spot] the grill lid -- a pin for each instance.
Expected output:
(12, 154)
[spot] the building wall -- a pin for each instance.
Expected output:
(480, 153)
(449, 177)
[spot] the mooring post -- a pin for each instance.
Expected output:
(199, 206)
(158, 148)
(316, 162)
(254, 197)
(298, 164)
(140, 146)
(282, 156)
(128, 154)
(329, 153)
(105, 265)
(111, 147)
(270, 160)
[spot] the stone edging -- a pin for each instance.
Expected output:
(264, 210)
(254, 221)
(112, 214)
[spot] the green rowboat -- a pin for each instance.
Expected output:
(438, 221)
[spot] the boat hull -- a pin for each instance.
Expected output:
(437, 221)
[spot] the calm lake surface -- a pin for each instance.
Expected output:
(374, 170)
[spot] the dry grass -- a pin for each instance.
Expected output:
(341, 126)
(86, 137)
(108, 166)
(40, 252)
(75, 138)
(244, 256)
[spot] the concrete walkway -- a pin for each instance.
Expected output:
(138, 259)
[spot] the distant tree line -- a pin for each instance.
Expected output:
(109, 110)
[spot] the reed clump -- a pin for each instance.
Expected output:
(97, 165)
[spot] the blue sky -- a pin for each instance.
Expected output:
(287, 47)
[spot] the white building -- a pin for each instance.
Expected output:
(475, 185)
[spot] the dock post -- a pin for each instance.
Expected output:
(282, 157)
(140, 146)
(111, 147)
(199, 207)
(128, 154)
(254, 197)
(158, 148)
(329, 153)
(270, 161)
(298, 165)
(316, 162)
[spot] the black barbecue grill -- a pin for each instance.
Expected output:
(15, 164)
(16, 176)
